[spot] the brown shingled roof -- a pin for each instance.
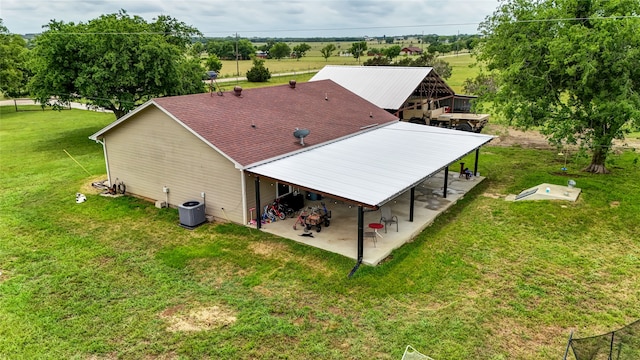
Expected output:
(328, 110)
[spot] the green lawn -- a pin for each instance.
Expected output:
(115, 278)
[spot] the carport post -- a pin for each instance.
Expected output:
(258, 216)
(446, 180)
(475, 166)
(360, 240)
(413, 196)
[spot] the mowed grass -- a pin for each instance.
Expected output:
(118, 278)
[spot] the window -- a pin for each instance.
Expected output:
(283, 189)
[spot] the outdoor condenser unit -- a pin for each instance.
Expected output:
(191, 214)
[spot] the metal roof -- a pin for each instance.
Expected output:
(386, 86)
(374, 167)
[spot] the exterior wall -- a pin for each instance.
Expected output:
(152, 150)
(267, 193)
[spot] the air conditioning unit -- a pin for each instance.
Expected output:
(191, 214)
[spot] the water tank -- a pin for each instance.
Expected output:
(191, 214)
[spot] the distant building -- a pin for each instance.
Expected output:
(411, 50)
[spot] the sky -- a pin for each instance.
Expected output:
(267, 18)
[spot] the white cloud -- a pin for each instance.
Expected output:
(296, 18)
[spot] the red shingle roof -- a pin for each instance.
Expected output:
(328, 110)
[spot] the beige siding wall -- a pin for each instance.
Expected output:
(152, 150)
(268, 191)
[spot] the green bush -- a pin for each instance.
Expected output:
(258, 73)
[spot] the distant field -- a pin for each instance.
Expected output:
(461, 67)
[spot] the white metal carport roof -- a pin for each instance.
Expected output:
(374, 167)
(388, 87)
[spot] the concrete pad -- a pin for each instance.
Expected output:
(547, 192)
(341, 236)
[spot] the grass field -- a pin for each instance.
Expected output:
(461, 65)
(118, 278)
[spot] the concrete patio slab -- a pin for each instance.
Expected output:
(341, 236)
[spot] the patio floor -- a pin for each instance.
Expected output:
(341, 236)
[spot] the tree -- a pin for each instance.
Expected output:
(300, 50)
(481, 85)
(357, 49)
(280, 50)
(246, 49)
(392, 52)
(571, 68)
(222, 49)
(115, 61)
(13, 72)
(258, 73)
(327, 51)
(196, 49)
(213, 63)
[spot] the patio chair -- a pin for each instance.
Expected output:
(387, 218)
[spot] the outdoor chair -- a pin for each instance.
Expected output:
(387, 218)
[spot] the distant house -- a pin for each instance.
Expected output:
(261, 54)
(411, 50)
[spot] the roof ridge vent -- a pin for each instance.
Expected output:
(237, 90)
(292, 84)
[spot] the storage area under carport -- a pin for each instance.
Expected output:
(340, 236)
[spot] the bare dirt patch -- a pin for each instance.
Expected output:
(178, 318)
(507, 136)
(269, 249)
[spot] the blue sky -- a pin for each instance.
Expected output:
(249, 18)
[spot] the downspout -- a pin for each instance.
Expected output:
(243, 184)
(106, 157)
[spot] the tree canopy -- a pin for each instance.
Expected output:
(226, 49)
(280, 50)
(327, 51)
(115, 61)
(357, 49)
(441, 67)
(13, 56)
(569, 67)
(300, 50)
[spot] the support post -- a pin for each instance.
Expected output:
(411, 203)
(360, 240)
(446, 180)
(475, 166)
(258, 206)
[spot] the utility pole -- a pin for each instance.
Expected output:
(237, 55)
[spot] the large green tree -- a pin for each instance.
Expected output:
(570, 67)
(358, 49)
(280, 50)
(13, 72)
(115, 62)
(300, 50)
